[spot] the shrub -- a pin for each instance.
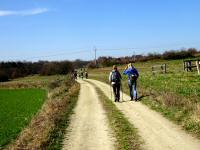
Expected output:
(3, 76)
(172, 54)
(52, 68)
(91, 65)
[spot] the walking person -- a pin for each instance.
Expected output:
(133, 75)
(86, 74)
(75, 75)
(72, 76)
(115, 81)
(81, 74)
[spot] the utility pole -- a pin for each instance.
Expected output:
(134, 56)
(95, 56)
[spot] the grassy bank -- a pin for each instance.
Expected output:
(126, 135)
(34, 81)
(63, 120)
(176, 94)
(46, 128)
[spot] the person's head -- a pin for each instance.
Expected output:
(130, 65)
(114, 67)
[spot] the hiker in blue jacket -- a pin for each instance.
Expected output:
(133, 75)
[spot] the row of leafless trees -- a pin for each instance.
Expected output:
(167, 55)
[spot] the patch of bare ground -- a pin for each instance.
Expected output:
(89, 128)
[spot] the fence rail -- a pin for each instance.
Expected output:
(188, 65)
(159, 68)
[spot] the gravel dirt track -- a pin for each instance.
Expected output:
(88, 129)
(157, 132)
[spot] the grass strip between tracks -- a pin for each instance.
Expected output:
(126, 135)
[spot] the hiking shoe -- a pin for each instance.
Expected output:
(131, 98)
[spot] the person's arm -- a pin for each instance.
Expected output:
(136, 72)
(110, 77)
(119, 75)
(126, 72)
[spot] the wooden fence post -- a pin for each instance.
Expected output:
(165, 68)
(187, 65)
(198, 66)
(183, 65)
(152, 69)
(156, 68)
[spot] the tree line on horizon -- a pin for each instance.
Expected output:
(106, 61)
(12, 70)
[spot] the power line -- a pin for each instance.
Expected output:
(72, 53)
(115, 49)
(133, 49)
(161, 46)
(58, 54)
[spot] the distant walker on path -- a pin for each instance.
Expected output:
(86, 74)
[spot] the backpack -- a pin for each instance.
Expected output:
(115, 77)
(133, 77)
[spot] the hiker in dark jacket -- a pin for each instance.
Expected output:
(133, 75)
(81, 74)
(86, 74)
(115, 81)
(75, 75)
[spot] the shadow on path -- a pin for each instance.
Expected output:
(139, 99)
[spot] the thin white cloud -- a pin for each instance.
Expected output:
(31, 12)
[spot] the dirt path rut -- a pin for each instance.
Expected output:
(157, 132)
(88, 129)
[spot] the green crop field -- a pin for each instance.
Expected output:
(175, 94)
(17, 107)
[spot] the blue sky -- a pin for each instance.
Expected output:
(69, 29)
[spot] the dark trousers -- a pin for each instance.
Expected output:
(133, 89)
(116, 91)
